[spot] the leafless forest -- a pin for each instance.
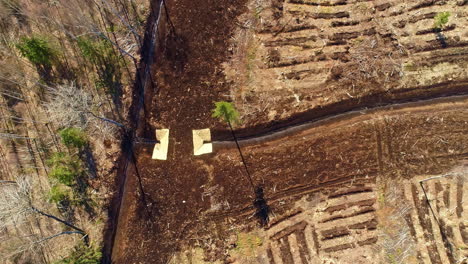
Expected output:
(64, 67)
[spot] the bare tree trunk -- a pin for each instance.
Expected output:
(107, 120)
(5, 168)
(57, 235)
(40, 157)
(169, 18)
(33, 157)
(7, 182)
(53, 136)
(260, 204)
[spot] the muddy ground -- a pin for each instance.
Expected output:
(328, 148)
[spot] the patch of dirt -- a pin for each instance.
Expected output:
(189, 78)
(432, 238)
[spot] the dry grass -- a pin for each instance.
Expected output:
(22, 107)
(371, 61)
(395, 238)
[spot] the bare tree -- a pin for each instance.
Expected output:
(70, 106)
(18, 239)
(106, 5)
(17, 206)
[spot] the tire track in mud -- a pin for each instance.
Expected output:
(296, 191)
(291, 192)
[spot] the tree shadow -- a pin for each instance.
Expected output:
(146, 202)
(67, 210)
(262, 209)
(88, 157)
(46, 73)
(110, 79)
(441, 38)
(64, 72)
(82, 197)
(175, 48)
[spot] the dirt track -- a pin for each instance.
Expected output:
(199, 201)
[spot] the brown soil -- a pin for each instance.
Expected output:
(222, 182)
(190, 201)
(187, 71)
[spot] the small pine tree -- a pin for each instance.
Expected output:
(83, 255)
(37, 50)
(73, 137)
(226, 111)
(96, 51)
(58, 194)
(65, 168)
(441, 19)
(100, 53)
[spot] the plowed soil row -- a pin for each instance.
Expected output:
(294, 58)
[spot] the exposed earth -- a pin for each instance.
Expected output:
(346, 107)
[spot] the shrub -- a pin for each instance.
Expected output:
(88, 49)
(65, 168)
(248, 243)
(226, 111)
(96, 51)
(58, 195)
(441, 19)
(83, 255)
(100, 53)
(37, 50)
(63, 175)
(73, 137)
